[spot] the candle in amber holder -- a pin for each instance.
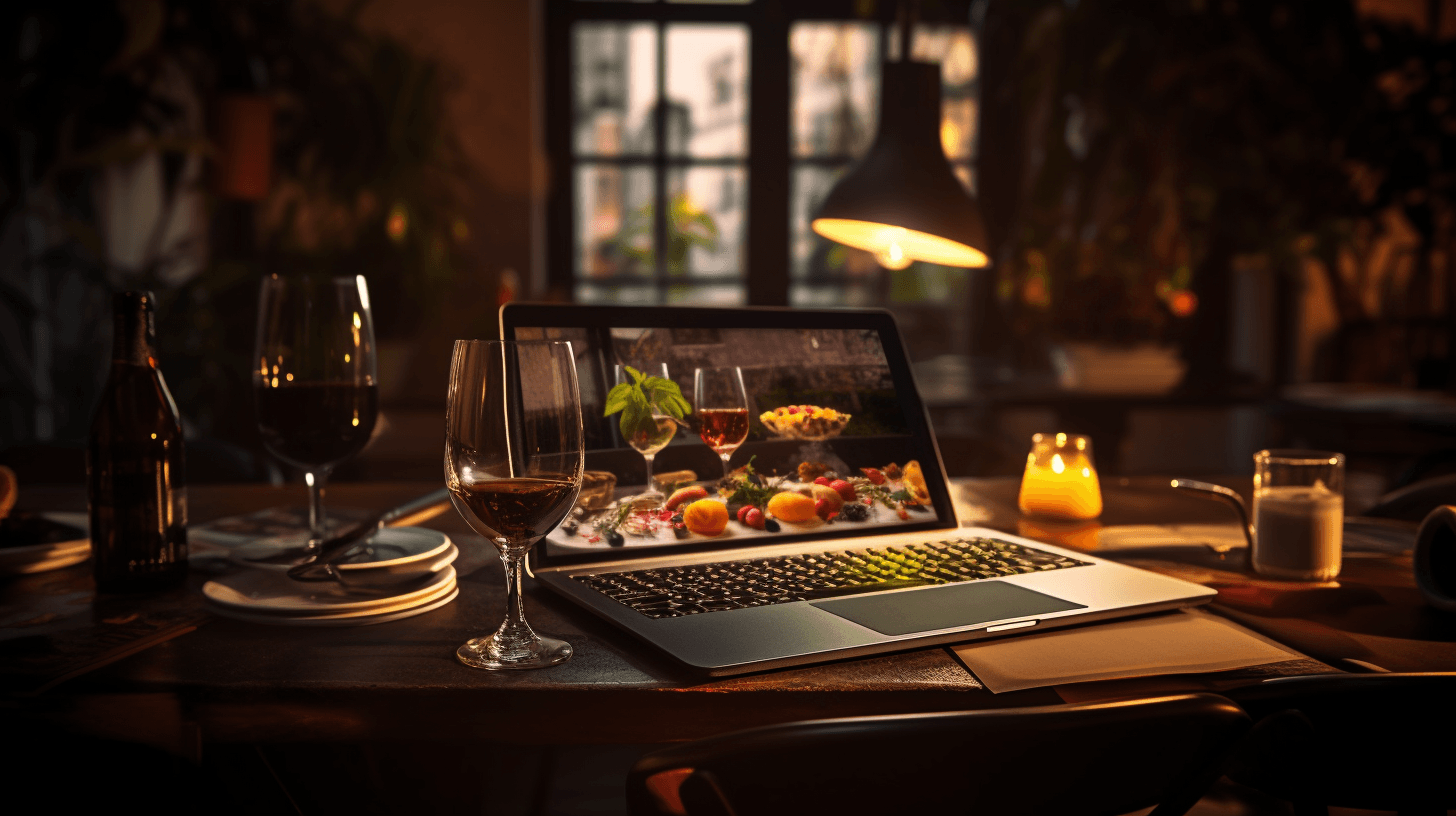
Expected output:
(1060, 480)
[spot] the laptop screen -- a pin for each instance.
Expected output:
(833, 440)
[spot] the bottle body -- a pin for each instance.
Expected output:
(136, 465)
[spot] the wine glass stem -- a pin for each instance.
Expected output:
(649, 457)
(514, 631)
(725, 457)
(317, 523)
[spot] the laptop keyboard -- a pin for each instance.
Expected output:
(671, 592)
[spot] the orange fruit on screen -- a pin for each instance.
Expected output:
(793, 507)
(706, 517)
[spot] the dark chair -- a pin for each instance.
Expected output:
(1371, 741)
(1102, 758)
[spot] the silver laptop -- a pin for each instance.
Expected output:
(887, 567)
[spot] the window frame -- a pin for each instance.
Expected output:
(768, 162)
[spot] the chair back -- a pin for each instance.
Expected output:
(1102, 758)
(1368, 741)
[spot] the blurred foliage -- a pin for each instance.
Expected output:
(367, 176)
(1153, 141)
(687, 227)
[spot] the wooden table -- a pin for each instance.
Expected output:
(194, 678)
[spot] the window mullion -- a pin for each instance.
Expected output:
(766, 259)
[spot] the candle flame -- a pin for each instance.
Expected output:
(1057, 464)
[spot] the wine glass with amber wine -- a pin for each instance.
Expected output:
(513, 463)
(721, 404)
(314, 377)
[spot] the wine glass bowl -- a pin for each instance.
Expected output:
(721, 405)
(314, 379)
(649, 439)
(514, 460)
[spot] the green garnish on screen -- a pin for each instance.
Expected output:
(636, 400)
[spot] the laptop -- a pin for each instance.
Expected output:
(832, 406)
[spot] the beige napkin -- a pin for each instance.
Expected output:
(1187, 642)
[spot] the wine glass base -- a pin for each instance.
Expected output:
(488, 653)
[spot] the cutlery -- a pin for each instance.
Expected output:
(320, 566)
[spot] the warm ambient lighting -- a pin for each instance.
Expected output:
(1060, 480)
(902, 202)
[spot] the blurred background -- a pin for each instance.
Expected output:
(1215, 225)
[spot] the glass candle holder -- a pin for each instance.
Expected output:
(1060, 481)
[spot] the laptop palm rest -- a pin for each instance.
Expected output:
(945, 607)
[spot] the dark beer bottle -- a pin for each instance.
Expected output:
(135, 463)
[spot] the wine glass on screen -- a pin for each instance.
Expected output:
(513, 463)
(721, 404)
(314, 377)
(649, 439)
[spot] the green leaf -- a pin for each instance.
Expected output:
(617, 398)
(636, 375)
(637, 415)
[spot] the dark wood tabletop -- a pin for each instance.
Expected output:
(162, 669)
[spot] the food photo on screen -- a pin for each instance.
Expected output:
(817, 441)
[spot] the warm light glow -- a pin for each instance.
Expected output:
(1183, 303)
(356, 421)
(346, 357)
(358, 322)
(275, 382)
(917, 246)
(950, 137)
(290, 378)
(154, 436)
(894, 257)
(397, 223)
(1060, 480)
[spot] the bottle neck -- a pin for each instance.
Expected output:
(135, 330)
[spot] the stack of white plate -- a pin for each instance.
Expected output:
(400, 572)
(29, 558)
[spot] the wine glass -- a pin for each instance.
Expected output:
(315, 387)
(513, 463)
(649, 440)
(721, 404)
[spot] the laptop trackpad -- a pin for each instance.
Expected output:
(944, 607)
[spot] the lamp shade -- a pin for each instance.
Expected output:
(902, 201)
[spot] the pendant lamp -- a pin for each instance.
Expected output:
(902, 201)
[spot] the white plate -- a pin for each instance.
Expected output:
(42, 557)
(392, 548)
(266, 591)
(445, 588)
(331, 620)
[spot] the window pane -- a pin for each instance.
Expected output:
(707, 90)
(706, 227)
(811, 184)
(613, 220)
(644, 295)
(615, 82)
(835, 87)
(687, 295)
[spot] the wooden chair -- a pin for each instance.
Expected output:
(1369, 741)
(1102, 758)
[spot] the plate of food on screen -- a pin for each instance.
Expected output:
(811, 423)
(747, 504)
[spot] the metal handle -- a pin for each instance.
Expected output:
(1220, 492)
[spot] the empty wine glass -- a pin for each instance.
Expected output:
(314, 382)
(648, 440)
(513, 463)
(721, 404)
